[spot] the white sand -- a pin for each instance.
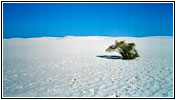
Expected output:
(69, 67)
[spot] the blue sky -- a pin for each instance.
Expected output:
(87, 19)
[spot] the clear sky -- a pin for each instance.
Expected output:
(87, 19)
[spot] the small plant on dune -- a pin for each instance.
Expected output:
(127, 50)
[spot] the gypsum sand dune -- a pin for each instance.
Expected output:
(70, 67)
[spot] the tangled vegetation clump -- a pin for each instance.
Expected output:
(127, 50)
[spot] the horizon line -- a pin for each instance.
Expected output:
(88, 36)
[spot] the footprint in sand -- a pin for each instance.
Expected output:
(49, 79)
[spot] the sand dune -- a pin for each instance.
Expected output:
(80, 67)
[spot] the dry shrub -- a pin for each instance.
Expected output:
(127, 50)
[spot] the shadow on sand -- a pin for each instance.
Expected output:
(110, 57)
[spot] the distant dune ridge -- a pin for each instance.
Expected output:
(78, 66)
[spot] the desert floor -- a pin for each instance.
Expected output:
(80, 67)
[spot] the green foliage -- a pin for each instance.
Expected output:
(127, 50)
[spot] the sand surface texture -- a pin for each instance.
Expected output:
(80, 67)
